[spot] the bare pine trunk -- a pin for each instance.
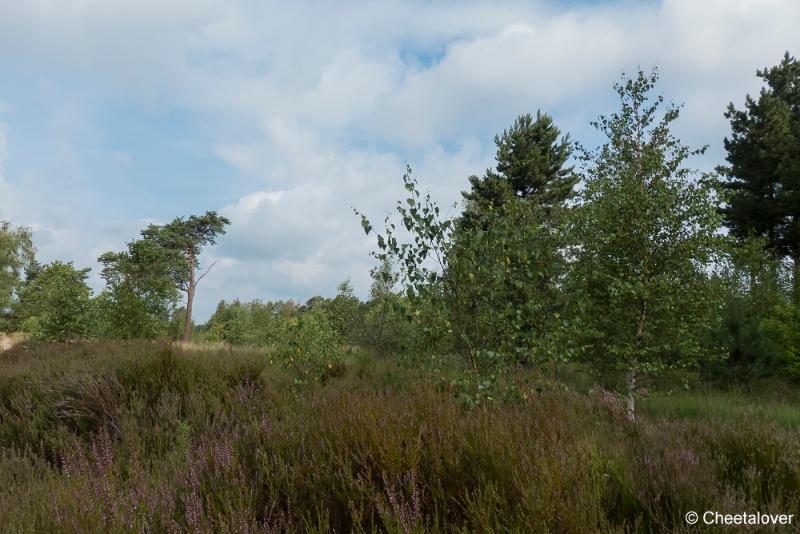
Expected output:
(187, 327)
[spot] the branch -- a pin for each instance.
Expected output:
(205, 273)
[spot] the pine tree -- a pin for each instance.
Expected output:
(531, 160)
(181, 242)
(166, 259)
(763, 175)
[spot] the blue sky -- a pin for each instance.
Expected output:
(285, 116)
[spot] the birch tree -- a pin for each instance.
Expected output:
(644, 237)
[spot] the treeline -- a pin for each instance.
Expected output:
(53, 302)
(379, 323)
(621, 260)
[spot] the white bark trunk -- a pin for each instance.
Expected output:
(631, 403)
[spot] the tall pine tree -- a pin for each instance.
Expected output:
(531, 164)
(763, 175)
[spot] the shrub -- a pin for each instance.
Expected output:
(144, 437)
(310, 346)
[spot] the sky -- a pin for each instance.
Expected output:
(284, 116)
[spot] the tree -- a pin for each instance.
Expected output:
(140, 293)
(423, 261)
(508, 268)
(16, 254)
(752, 286)
(464, 278)
(510, 236)
(177, 247)
(56, 304)
(644, 238)
(531, 162)
(511, 233)
(309, 345)
(384, 324)
(344, 311)
(763, 175)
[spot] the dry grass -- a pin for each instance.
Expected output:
(8, 341)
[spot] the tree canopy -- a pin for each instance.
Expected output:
(178, 245)
(763, 172)
(644, 235)
(531, 164)
(16, 254)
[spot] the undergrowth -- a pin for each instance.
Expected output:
(147, 437)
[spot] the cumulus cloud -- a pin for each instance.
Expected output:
(316, 107)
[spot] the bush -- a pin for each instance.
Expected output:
(783, 328)
(310, 346)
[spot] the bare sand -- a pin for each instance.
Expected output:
(6, 342)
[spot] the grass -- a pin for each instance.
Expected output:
(147, 437)
(782, 410)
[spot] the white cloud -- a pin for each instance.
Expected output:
(319, 105)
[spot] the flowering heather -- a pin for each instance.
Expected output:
(163, 440)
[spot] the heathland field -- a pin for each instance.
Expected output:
(598, 338)
(151, 437)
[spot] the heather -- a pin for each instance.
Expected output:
(149, 437)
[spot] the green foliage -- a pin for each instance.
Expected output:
(231, 323)
(140, 293)
(782, 327)
(490, 276)
(344, 311)
(487, 286)
(751, 283)
(531, 161)
(253, 323)
(180, 243)
(644, 239)
(173, 250)
(509, 266)
(385, 323)
(763, 176)
(310, 346)
(56, 304)
(509, 244)
(176, 326)
(16, 253)
(423, 260)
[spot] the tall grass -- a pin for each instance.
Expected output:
(144, 437)
(777, 406)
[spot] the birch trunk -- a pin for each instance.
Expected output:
(631, 403)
